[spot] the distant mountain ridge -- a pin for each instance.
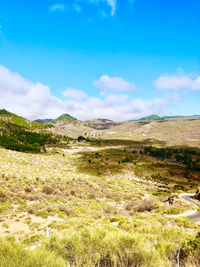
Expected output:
(171, 130)
(155, 117)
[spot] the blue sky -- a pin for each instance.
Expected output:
(120, 59)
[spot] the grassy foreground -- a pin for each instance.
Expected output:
(105, 206)
(106, 246)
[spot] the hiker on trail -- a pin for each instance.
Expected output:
(170, 200)
(44, 148)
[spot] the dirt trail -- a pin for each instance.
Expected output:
(193, 216)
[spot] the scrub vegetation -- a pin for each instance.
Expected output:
(106, 202)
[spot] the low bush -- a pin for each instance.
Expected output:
(14, 255)
(47, 190)
(110, 209)
(104, 247)
(28, 189)
(189, 253)
(42, 213)
(65, 209)
(174, 210)
(127, 160)
(146, 205)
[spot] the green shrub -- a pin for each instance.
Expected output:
(42, 213)
(20, 137)
(104, 247)
(14, 255)
(190, 252)
(5, 206)
(127, 160)
(174, 210)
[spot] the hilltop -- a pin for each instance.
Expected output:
(64, 117)
(154, 117)
(5, 112)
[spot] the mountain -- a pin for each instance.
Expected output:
(64, 117)
(155, 117)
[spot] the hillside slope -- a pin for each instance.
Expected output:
(18, 133)
(171, 132)
(20, 121)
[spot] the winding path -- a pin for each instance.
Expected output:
(195, 215)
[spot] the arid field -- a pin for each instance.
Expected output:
(97, 193)
(95, 202)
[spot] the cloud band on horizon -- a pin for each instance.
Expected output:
(34, 100)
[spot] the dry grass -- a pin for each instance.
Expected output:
(70, 193)
(48, 189)
(169, 132)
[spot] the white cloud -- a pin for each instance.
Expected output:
(176, 82)
(23, 97)
(116, 107)
(113, 83)
(102, 5)
(112, 4)
(34, 100)
(74, 94)
(57, 7)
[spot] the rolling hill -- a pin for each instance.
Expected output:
(64, 117)
(176, 131)
(20, 121)
(18, 133)
(168, 130)
(155, 117)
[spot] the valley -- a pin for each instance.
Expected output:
(102, 195)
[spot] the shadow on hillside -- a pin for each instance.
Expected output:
(115, 156)
(112, 157)
(125, 143)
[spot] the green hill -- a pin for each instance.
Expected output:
(5, 112)
(65, 117)
(20, 121)
(155, 117)
(18, 133)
